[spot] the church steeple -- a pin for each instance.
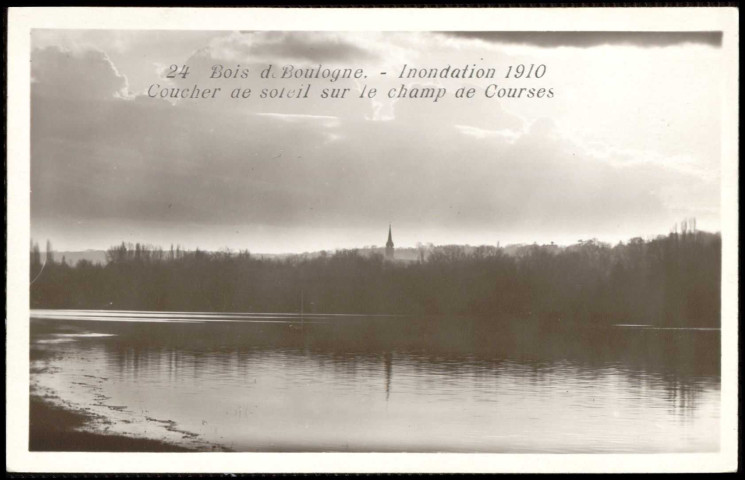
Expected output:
(389, 245)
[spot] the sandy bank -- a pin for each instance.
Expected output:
(52, 428)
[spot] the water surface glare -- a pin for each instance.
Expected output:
(278, 382)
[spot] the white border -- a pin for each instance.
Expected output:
(22, 20)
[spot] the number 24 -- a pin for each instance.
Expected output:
(173, 70)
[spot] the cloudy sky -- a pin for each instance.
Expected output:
(628, 145)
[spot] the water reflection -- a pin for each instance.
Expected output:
(390, 384)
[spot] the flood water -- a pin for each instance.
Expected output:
(272, 382)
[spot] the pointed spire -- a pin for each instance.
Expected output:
(389, 245)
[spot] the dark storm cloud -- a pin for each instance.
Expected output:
(98, 156)
(146, 162)
(593, 39)
(306, 46)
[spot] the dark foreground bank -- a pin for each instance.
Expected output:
(52, 428)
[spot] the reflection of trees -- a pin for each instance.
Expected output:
(672, 281)
(678, 361)
(682, 395)
(388, 358)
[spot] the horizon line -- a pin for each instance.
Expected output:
(498, 244)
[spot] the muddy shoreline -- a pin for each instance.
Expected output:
(54, 429)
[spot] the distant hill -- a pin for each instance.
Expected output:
(72, 258)
(401, 254)
(411, 254)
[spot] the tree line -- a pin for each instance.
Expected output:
(671, 280)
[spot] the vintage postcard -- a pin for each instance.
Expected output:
(436, 240)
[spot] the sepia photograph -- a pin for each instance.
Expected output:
(411, 241)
